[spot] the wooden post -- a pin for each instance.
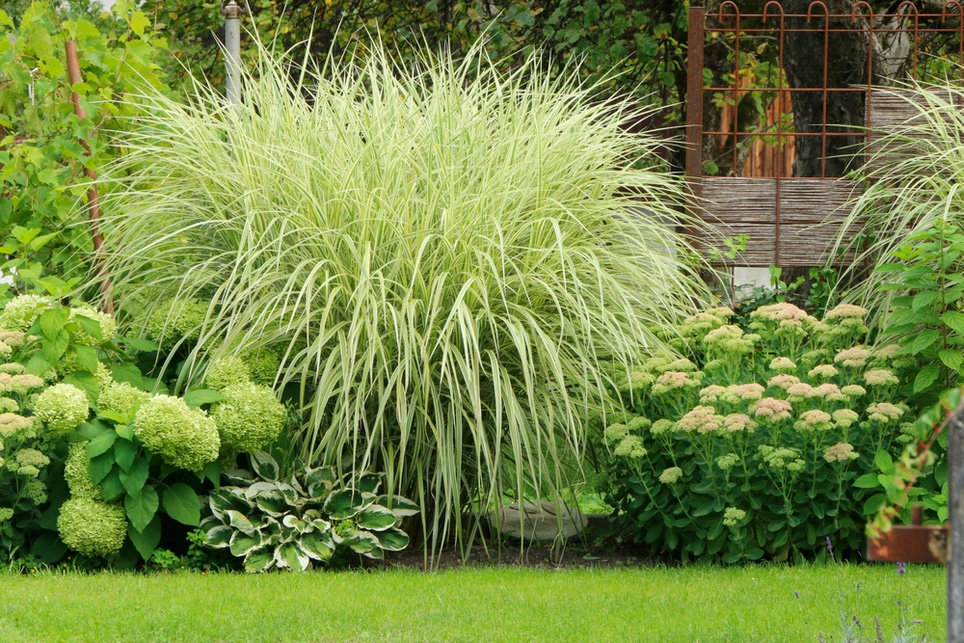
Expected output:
(955, 504)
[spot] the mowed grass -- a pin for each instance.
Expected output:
(474, 604)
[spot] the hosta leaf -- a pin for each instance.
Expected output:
(265, 466)
(242, 544)
(147, 540)
(228, 498)
(376, 518)
(238, 476)
(290, 555)
(401, 507)
(393, 539)
(259, 561)
(319, 490)
(344, 504)
(363, 543)
(296, 523)
(240, 522)
(141, 507)
(182, 504)
(271, 502)
(320, 475)
(368, 482)
(318, 546)
(218, 537)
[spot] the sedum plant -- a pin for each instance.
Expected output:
(446, 256)
(279, 522)
(750, 448)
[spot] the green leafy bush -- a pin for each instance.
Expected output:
(312, 515)
(927, 284)
(42, 184)
(444, 258)
(751, 449)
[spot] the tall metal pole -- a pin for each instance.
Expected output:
(955, 503)
(232, 11)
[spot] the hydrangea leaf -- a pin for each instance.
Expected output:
(201, 396)
(111, 486)
(147, 540)
(182, 504)
(55, 347)
(87, 357)
(100, 466)
(124, 453)
(92, 328)
(141, 508)
(136, 477)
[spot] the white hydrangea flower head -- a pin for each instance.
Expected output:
(108, 327)
(184, 437)
(91, 527)
(77, 473)
(227, 371)
(22, 311)
(61, 407)
(121, 398)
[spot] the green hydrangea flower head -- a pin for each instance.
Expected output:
(61, 407)
(169, 323)
(77, 473)
(263, 365)
(91, 527)
(184, 437)
(249, 417)
(121, 398)
(227, 371)
(108, 327)
(22, 311)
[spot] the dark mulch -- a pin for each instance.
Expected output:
(577, 554)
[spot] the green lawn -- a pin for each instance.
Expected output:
(474, 604)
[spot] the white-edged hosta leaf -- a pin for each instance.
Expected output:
(242, 544)
(238, 476)
(290, 556)
(368, 482)
(363, 543)
(318, 546)
(376, 518)
(260, 560)
(344, 503)
(401, 507)
(240, 522)
(265, 466)
(218, 536)
(272, 502)
(296, 523)
(393, 539)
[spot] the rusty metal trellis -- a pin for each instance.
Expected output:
(756, 193)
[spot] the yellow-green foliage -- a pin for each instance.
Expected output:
(249, 418)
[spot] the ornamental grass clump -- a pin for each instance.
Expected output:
(754, 451)
(446, 257)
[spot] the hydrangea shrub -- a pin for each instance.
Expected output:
(749, 448)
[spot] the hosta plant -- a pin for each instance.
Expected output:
(273, 521)
(750, 447)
